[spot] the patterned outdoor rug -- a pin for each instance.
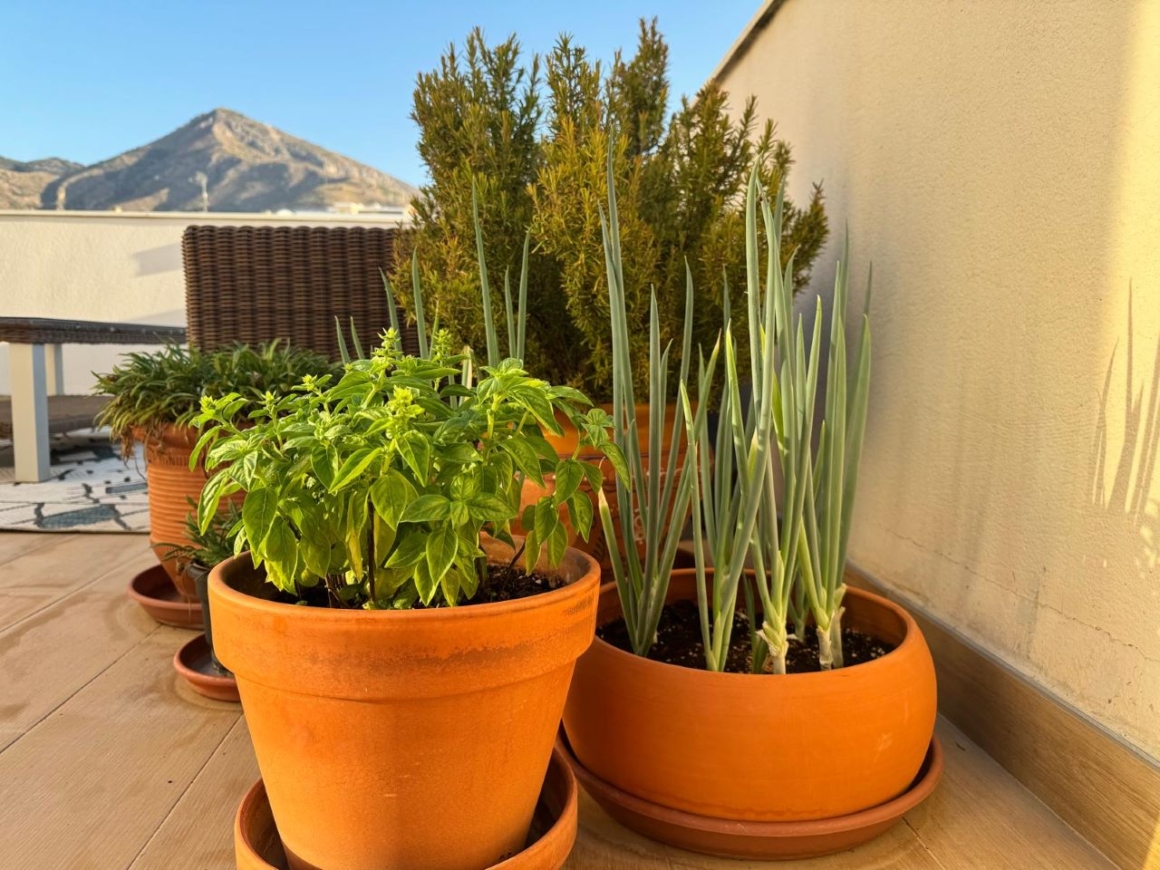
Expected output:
(91, 489)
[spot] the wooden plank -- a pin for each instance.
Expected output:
(970, 820)
(56, 651)
(1103, 788)
(8, 737)
(14, 545)
(93, 782)
(34, 581)
(199, 832)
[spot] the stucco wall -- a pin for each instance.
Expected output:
(105, 266)
(1000, 165)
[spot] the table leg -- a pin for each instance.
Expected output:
(54, 368)
(29, 412)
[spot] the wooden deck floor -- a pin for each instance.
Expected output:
(107, 761)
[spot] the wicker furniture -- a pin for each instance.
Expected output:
(255, 284)
(35, 354)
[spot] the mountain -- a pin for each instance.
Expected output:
(247, 165)
(21, 183)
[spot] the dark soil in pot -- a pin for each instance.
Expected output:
(679, 643)
(504, 583)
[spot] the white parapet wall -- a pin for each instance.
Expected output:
(999, 163)
(109, 266)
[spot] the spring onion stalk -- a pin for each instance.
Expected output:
(735, 508)
(830, 496)
(654, 497)
(795, 540)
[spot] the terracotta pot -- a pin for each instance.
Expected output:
(171, 488)
(171, 485)
(257, 846)
(565, 445)
(414, 739)
(757, 747)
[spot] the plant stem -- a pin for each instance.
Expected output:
(825, 648)
(836, 638)
(371, 565)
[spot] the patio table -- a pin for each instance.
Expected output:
(35, 354)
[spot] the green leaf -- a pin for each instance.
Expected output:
(424, 582)
(324, 463)
(259, 511)
(569, 476)
(441, 548)
(416, 452)
(281, 554)
(490, 508)
(532, 546)
(316, 555)
(557, 544)
(354, 465)
(391, 494)
(616, 457)
(580, 510)
(356, 527)
(547, 519)
(410, 551)
(460, 515)
(524, 457)
(428, 508)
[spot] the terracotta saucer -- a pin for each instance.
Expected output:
(257, 847)
(194, 662)
(777, 841)
(155, 592)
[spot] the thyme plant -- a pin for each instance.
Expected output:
(153, 390)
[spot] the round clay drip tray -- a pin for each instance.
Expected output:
(155, 592)
(768, 841)
(194, 663)
(257, 847)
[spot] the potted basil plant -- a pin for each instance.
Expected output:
(402, 658)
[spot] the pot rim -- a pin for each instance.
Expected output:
(586, 568)
(909, 640)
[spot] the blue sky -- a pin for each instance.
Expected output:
(87, 80)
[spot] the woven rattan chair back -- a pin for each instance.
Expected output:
(255, 284)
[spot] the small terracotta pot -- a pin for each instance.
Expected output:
(171, 486)
(414, 739)
(750, 747)
(565, 445)
(258, 847)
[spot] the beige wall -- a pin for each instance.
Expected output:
(1000, 165)
(106, 266)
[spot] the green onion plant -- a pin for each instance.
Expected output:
(770, 514)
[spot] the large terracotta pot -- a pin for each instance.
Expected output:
(565, 446)
(757, 747)
(414, 739)
(171, 486)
